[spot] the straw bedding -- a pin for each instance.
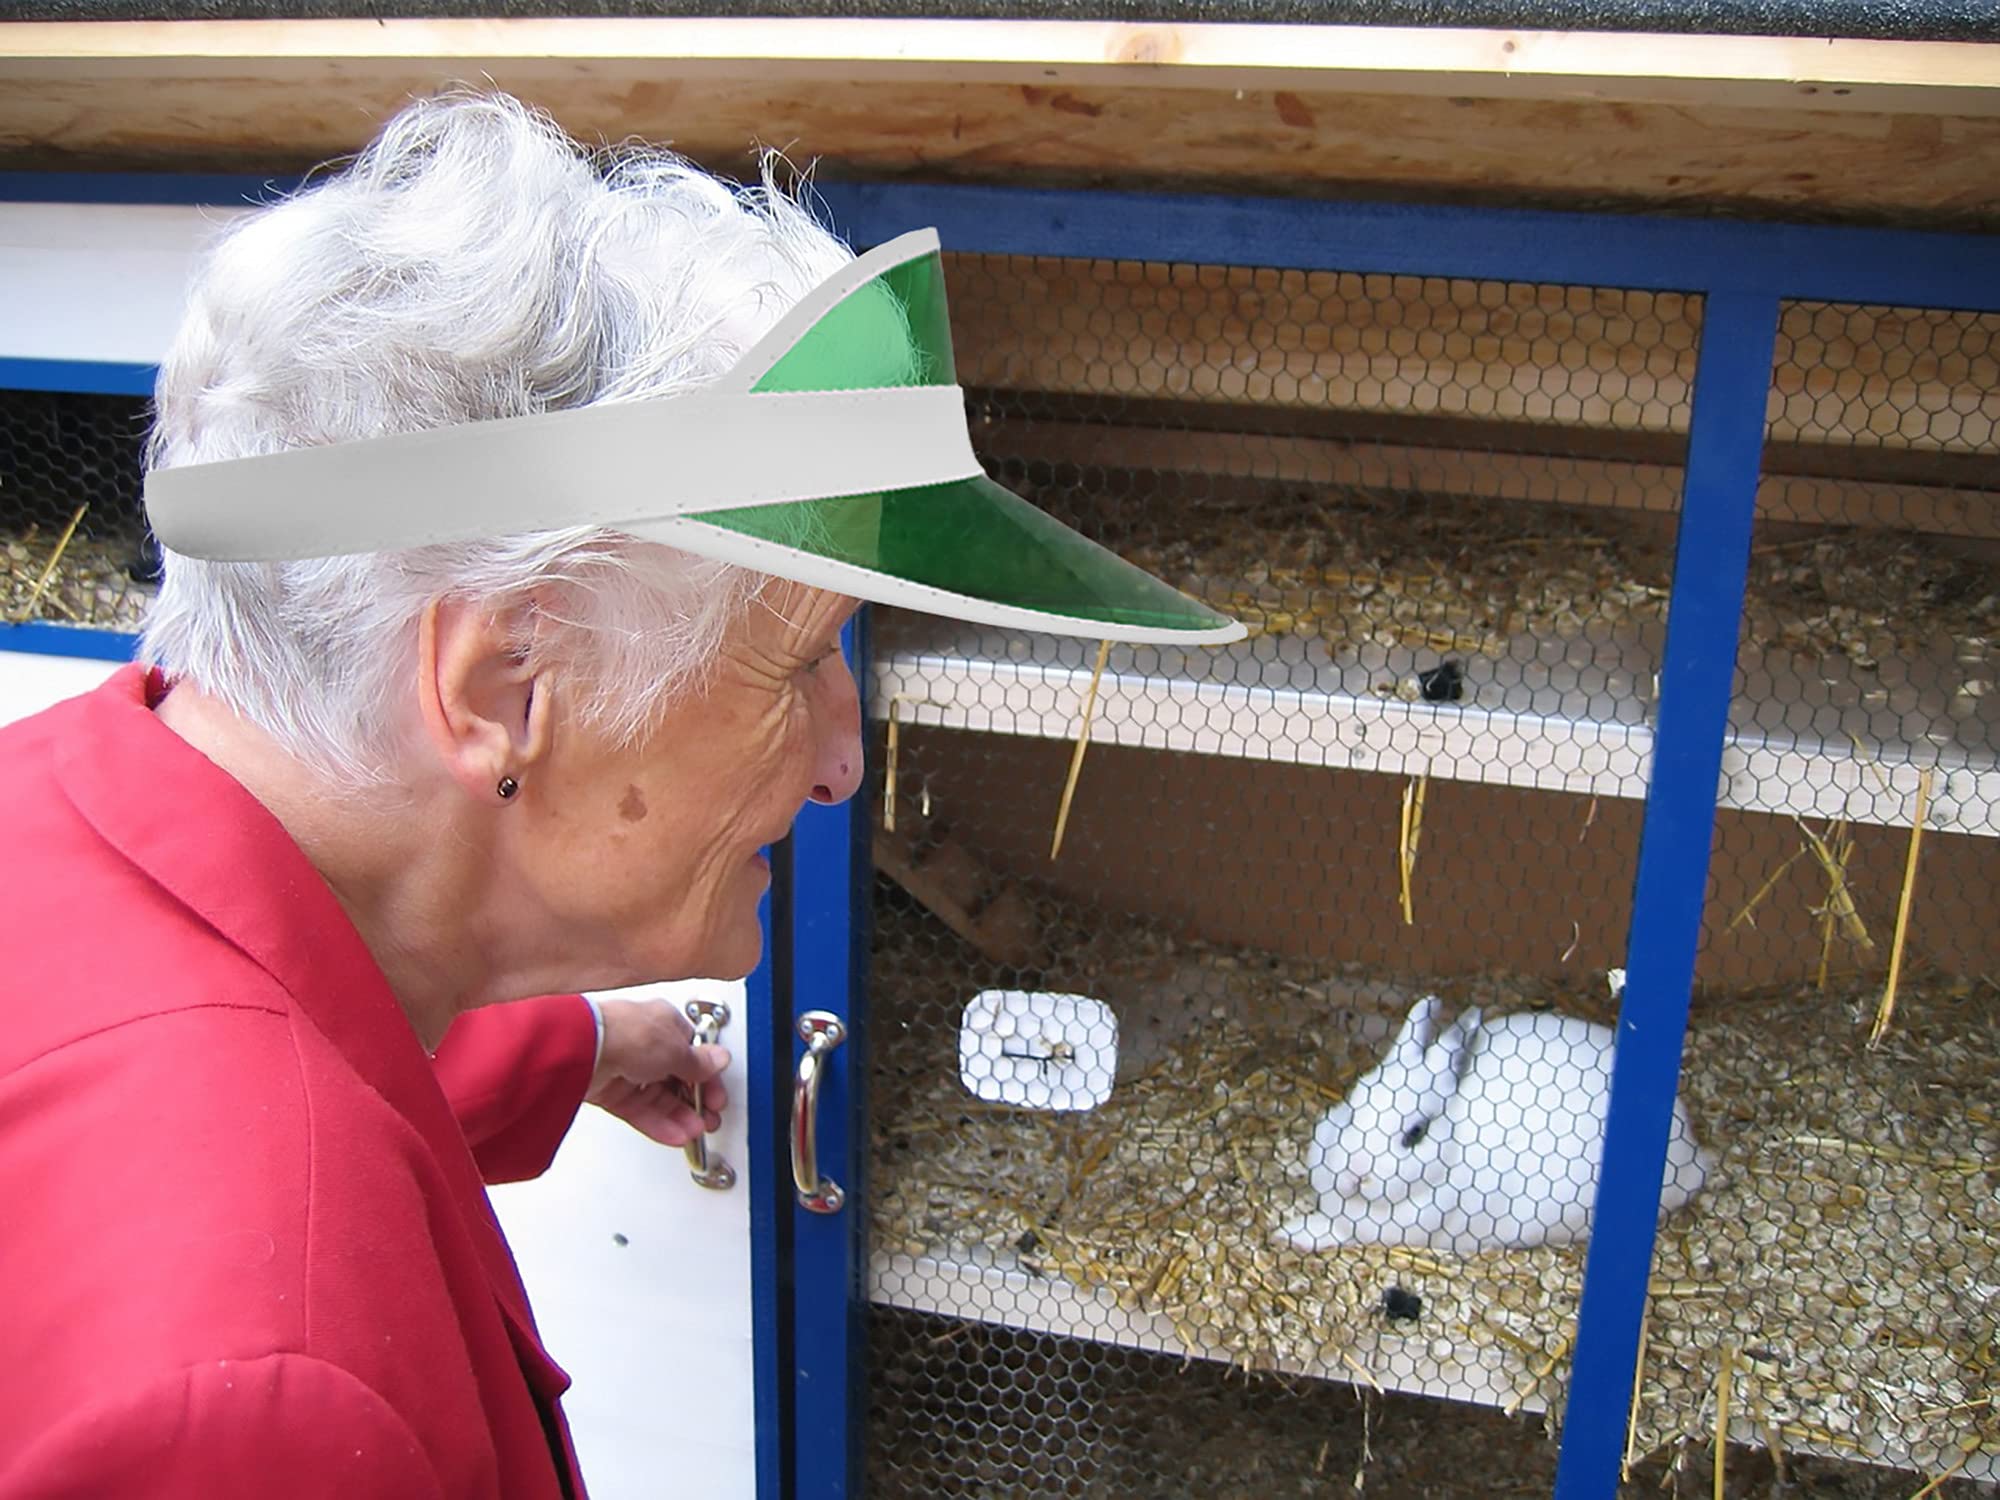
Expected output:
(1846, 1254)
(1355, 566)
(88, 584)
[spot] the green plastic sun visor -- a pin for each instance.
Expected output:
(834, 454)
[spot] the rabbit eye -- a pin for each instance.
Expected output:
(1414, 1136)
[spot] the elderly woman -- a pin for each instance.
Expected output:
(513, 502)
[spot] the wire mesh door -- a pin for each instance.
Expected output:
(1237, 1082)
(72, 535)
(1846, 1033)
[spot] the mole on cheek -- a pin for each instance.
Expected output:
(632, 806)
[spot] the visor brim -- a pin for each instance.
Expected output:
(969, 550)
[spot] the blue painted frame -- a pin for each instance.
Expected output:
(213, 189)
(811, 1270)
(39, 638)
(1898, 267)
(79, 377)
(767, 1034)
(1742, 271)
(1697, 677)
(831, 872)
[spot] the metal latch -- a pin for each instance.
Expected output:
(707, 1169)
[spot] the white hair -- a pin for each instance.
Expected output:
(473, 263)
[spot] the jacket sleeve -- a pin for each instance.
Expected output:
(515, 1075)
(283, 1424)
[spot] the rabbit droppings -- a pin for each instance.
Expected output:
(1486, 1137)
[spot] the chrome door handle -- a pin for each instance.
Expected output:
(821, 1031)
(708, 1171)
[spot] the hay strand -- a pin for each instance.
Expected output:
(1406, 843)
(889, 771)
(1832, 853)
(1589, 817)
(1750, 906)
(41, 584)
(1722, 1380)
(893, 761)
(1360, 1373)
(1082, 743)
(1887, 1010)
(1539, 1373)
(1972, 1446)
(1638, 1389)
(1837, 1147)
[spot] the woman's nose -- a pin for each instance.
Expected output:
(837, 751)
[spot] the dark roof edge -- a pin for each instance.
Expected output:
(1884, 20)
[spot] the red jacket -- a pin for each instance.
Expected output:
(245, 1248)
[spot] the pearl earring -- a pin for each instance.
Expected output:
(508, 786)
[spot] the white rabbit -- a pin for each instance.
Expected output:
(1485, 1137)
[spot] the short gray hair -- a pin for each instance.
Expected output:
(473, 263)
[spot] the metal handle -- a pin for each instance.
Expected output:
(821, 1031)
(708, 1171)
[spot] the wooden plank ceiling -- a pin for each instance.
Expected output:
(1822, 130)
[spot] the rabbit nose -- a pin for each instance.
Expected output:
(1350, 1184)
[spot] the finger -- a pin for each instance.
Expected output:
(714, 1097)
(662, 1131)
(651, 1109)
(662, 1118)
(705, 1062)
(668, 1014)
(713, 1101)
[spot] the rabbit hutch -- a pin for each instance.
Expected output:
(1527, 1016)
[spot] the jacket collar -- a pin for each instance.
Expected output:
(200, 834)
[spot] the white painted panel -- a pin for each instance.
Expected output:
(30, 682)
(97, 281)
(654, 1331)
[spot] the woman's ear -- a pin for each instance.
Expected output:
(485, 713)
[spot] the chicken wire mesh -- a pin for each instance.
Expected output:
(1289, 1064)
(1850, 1032)
(72, 534)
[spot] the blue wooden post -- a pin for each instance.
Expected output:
(1725, 444)
(767, 1062)
(78, 377)
(45, 639)
(831, 869)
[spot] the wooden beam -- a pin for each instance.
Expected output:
(1504, 471)
(282, 96)
(1879, 464)
(1572, 358)
(1766, 72)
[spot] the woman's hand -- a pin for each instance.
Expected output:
(650, 1073)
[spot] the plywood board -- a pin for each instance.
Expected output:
(1568, 356)
(1500, 469)
(1839, 73)
(1912, 135)
(1301, 860)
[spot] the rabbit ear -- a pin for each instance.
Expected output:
(1418, 1028)
(1451, 1054)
